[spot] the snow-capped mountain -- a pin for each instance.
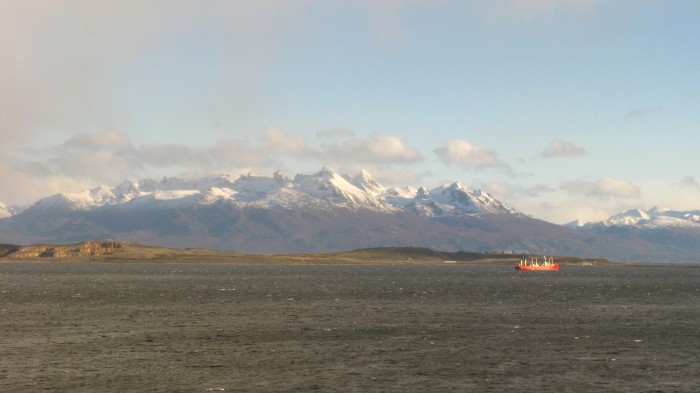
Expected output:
(8, 211)
(323, 211)
(654, 218)
(455, 199)
(4, 212)
(676, 232)
(324, 190)
(327, 211)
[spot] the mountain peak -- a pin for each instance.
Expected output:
(4, 211)
(328, 171)
(658, 210)
(627, 217)
(576, 224)
(422, 193)
(325, 189)
(653, 218)
(365, 182)
(280, 178)
(457, 186)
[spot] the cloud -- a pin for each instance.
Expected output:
(603, 188)
(86, 156)
(467, 154)
(637, 113)
(507, 191)
(378, 149)
(111, 140)
(690, 182)
(71, 65)
(178, 155)
(109, 157)
(281, 142)
(559, 148)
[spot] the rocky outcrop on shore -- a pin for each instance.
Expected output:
(84, 249)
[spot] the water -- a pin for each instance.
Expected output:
(179, 327)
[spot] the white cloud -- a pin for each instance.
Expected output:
(109, 157)
(378, 149)
(683, 195)
(467, 154)
(507, 191)
(281, 142)
(604, 188)
(562, 211)
(689, 181)
(559, 148)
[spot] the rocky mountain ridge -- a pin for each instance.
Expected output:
(325, 189)
(8, 211)
(326, 211)
(678, 232)
(653, 218)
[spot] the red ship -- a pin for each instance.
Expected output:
(536, 264)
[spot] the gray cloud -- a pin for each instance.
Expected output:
(689, 181)
(109, 157)
(60, 60)
(604, 188)
(110, 140)
(508, 191)
(559, 148)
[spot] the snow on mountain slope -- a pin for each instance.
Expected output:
(96, 197)
(5, 211)
(448, 200)
(325, 190)
(466, 201)
(364, 182)
(576, 224)
(329, 186)
(653, 218)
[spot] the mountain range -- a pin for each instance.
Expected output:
(327, 211)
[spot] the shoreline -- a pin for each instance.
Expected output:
(124, 252)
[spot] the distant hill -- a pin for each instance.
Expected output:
(110, 251)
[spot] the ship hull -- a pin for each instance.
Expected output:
(549, 267)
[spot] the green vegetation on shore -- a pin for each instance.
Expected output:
(105, 251)
(7, 249)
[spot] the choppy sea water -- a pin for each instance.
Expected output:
(187, 327)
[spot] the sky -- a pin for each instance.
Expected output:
(562, 109)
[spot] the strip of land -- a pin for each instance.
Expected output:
(111, 251)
